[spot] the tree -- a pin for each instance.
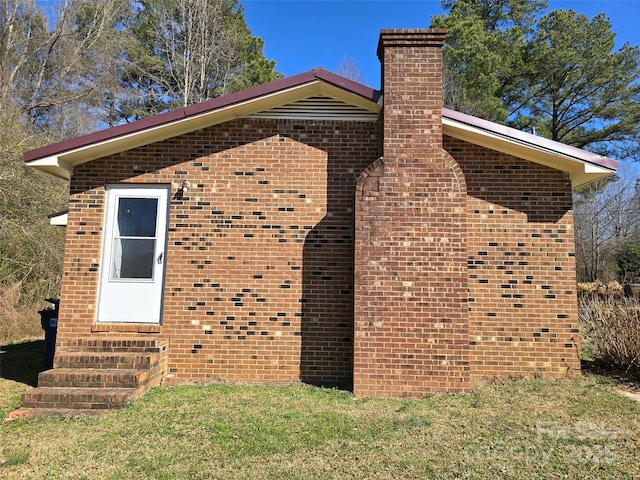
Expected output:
(483, 53)
(628, 261)
(581, 91)
(606, 217)
(348, 68)
(30, 249)
(180, 52)
(44, 69)
(559, 76)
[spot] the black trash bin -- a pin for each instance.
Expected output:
(49, 322)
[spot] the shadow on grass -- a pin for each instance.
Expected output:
(22, 362)
(628, 378)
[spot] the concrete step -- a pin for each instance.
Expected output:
(105, 360)
(93, 377)
(117, 344)
(77, 398)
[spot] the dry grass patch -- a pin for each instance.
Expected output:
(18, 321)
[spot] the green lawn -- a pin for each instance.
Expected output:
(517, 429)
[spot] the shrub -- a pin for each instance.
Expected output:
(610, 288)
(18, 321)
(611, 330)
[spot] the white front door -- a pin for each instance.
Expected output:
(132, 268)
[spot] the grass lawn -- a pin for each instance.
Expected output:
(517, 429)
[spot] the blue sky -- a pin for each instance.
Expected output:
(303, 34)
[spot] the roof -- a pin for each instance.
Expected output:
(59, 158)
(583, 166)
(316, 94)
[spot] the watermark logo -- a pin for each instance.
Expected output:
(579, 431)
(577, 443)
(581, 442)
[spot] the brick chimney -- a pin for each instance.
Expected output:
(410, 316)
(412, 88)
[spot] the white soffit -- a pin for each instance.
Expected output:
(59, 219)
(53, 166)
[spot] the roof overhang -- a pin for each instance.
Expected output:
(59, 219)
(60, 159)
(583, 167)
(267, 100)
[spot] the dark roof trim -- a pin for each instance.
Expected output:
(202, 108)
(533, 140)
(57, 214)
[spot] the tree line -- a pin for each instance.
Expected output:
(116, 61)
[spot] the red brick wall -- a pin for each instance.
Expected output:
(522, 289)
(410, 321)
(279, 304)
(259, 282)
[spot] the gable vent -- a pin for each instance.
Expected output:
(319, 107)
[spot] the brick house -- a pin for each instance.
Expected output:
(319, 230)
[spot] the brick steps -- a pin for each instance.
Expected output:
(126, 345)
(90, 398)
(93, 377)
(95, 374)
(107, 360)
